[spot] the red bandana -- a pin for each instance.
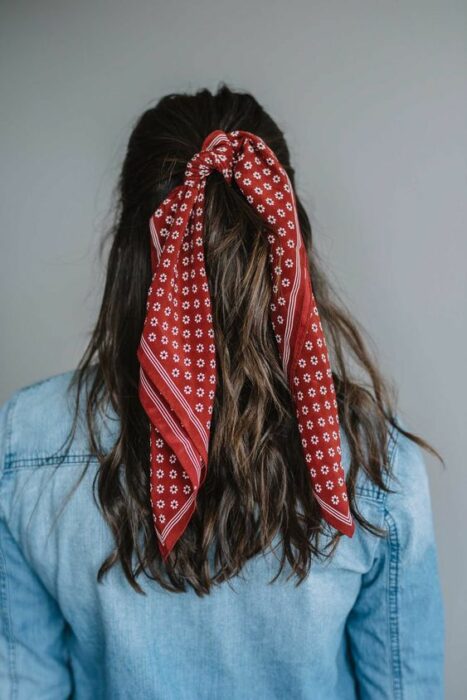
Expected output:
(177, 349)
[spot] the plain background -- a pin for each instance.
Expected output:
(372, 97)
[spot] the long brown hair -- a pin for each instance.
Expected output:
(257, 484)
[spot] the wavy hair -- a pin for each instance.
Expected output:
(257, 484)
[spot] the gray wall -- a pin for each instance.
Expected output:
(372, 96)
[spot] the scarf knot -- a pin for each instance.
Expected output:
(217, 153)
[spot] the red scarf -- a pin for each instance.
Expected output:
(177, 348)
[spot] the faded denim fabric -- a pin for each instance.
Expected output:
(367, 624)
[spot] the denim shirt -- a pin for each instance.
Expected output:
(368, 623)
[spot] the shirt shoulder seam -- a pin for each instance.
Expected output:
(7, 456)
(393, 600)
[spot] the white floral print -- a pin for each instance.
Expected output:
(179, 402)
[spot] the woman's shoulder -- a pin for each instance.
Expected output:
(36, 422)
(408, 504)
(406, 498)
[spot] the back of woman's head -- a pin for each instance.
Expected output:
(257, 484)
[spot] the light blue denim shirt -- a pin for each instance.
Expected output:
(368, 623)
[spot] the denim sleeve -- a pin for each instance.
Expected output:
(396, 627)
(33, 659)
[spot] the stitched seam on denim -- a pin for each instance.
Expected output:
(5, 610)
(9, 433)
(49, 460)
(393, 593)
(12, 465)
(6, 614)
(372, 494)
(393, 442)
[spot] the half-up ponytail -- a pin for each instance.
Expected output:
(257, 486)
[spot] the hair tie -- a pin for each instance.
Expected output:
(177, 351)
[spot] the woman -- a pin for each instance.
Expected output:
(203, 509)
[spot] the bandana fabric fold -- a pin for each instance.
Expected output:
(177, 354)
